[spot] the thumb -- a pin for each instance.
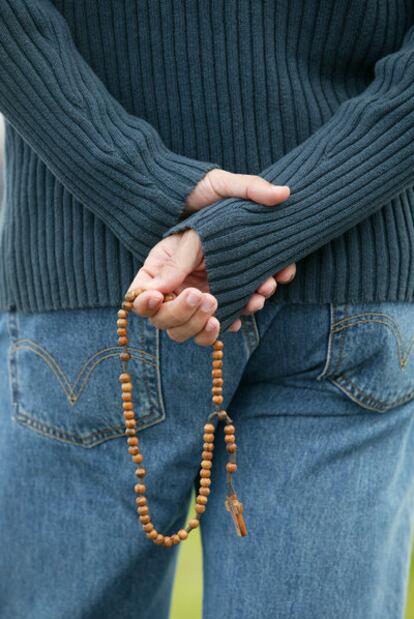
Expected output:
(186, 258)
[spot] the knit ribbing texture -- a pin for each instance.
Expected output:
(116, 110)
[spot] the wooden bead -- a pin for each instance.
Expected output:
(145, 519)
(193, 523)
(229, 429)
(231, 448)
(169, 296)
(131, 295)
(201, 499)
(133, 441)
(231, 467)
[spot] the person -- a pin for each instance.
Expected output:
(256, 160)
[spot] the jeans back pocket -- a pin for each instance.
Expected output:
(64, 367)
(370, 353)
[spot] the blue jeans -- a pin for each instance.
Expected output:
(322, 397)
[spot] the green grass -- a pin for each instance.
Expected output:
(187, 594)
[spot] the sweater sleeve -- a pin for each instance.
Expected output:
(354, 164)
(114, 163)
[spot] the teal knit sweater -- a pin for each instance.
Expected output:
(116, 109)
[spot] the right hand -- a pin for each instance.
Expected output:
(218, 184)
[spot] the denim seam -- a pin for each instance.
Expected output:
(95, 437)
(92, 439)
(390, 323)
(366, 397)
(330, 338)
(250, 333)
(68, 388)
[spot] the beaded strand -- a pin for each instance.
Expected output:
(232, 504)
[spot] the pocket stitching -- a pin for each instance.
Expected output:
(392, 325)
(342, 381)
(69, 389)
(366, 397)
(90, 440)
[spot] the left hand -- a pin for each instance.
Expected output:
(176, 264)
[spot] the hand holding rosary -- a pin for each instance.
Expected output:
(232, 504)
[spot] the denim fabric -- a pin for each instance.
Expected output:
(322, 400)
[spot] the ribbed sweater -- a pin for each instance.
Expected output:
(115, 110)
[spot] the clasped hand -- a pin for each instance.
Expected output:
(176, 264)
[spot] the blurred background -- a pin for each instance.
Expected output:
(187, 596)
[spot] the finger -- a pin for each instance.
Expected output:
(148, 303)
(287, 274)
(142, 304)
(267, 288)
(235, 326)
(254, 304)
(248, 187)
(208, 336)
(196, 322)
(178, 311)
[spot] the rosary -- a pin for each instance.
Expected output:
(232, 504)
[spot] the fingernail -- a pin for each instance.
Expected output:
(282, 187)
(207, 305)
(211, 325)
(193, 298)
